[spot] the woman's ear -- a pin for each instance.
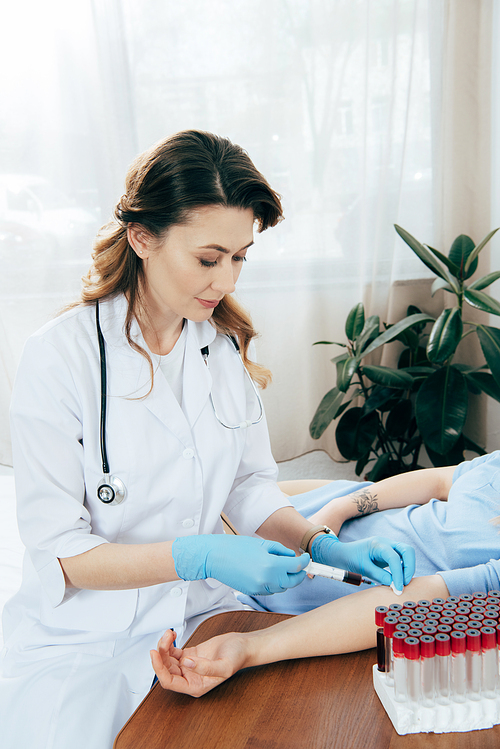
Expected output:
(139, 239)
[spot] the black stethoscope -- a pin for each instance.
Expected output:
(111, 490)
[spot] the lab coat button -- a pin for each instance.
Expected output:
(176, 592)
(188, 523)
(188, 453)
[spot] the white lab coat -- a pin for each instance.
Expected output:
(81, 658)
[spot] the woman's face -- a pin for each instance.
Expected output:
(196, 263)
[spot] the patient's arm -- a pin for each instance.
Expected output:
(343, 626)
(415, 487)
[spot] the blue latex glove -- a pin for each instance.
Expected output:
(368, 557)
(251, 565)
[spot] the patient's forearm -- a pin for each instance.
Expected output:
(415, 487)
(343, 626)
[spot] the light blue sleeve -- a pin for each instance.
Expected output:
(482, 577)
(469, 465)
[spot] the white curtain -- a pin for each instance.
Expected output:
(338, 102)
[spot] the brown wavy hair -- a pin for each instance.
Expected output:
(164, 185)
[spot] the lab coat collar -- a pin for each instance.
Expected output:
(197, 381)
(112, 313)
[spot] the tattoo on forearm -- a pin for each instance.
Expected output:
(365, 501)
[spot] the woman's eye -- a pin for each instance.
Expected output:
(240, 258)
(208, 263)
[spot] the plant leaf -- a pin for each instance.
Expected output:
(340, 357)
(379, 469)
(460, 251)
(452, 457)
(476, 252)
(326, 412)
(470, 445)
(329, 343)
(355, 434)
(489, 338)
(377, 399)
(450, 264)
(485, 281)
(355, 322)
(345, 371)
(486, 383)
(391, 378)
(441, 409)
(422, 252)
(440, 283)
(396, 329)
(399, 418)
(482, 301)
(369, 332)
(445, 335)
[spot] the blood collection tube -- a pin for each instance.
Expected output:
(412, 657)
(422, 610)
(399, 668)
(475, 617)
(453, 599)
(434, 615)
(389, 629)
(444, 628)
(402, 627)
(419, 618)
(449, 606)
(380, 649)
(463, 610)
(404, 619)
(479, 595)
(407, 612)
(395, 607)
(427, 663)
(460, 626)
(494, 594)
(489, 662)
(461, 618)
(466, 597)
(457, 666)
(490, 623)
(443, 656)
(424, 602)
(438, 601)
(447, 620)
(380, 614)
(410, 605)
(430, 629)
(415, 632)
(473, 664)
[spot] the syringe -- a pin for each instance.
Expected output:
(334, 573)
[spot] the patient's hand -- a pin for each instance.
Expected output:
(199, 669)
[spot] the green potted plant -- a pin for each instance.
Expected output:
(385, 415)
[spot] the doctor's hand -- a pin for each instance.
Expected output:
(251, 565)
(369, 557)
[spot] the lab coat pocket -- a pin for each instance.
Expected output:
(92, 611)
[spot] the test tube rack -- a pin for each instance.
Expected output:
(442, 707)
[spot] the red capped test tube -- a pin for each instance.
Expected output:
(427, 669)
(389, 629)
(412, 656)
(489, 662)
(457, 669)
(473, 663)
(399, 666)
(443, 657)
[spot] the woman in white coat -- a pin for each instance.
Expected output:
(134, 425)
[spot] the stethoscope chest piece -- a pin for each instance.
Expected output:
(111, 490)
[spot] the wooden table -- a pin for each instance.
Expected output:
(311, 703)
